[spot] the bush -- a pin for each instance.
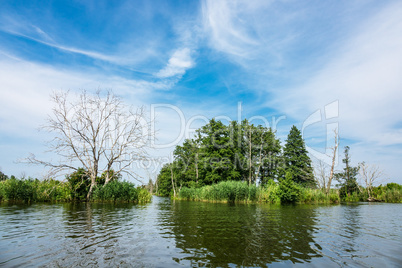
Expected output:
(120, 191)
(21, 190)
(269, 192)
(3, 176)
(50, 190)
(289, 191)
(143, 195)
(79, 183)
(226, 191)
(286, 191)
(334, 196)
(393, 195)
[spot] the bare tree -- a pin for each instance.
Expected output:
(320, 175)
(370, 174)
(334, 150)
(98, 132)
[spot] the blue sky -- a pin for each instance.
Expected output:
(315, 64)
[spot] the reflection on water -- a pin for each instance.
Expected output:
(170, 234)
(251, 235)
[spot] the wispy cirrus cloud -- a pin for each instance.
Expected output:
(48, 41)
(364, 75)
(178, 63)
(251, 33)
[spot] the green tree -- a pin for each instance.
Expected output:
(217, 153)
(79, 182)
(289, 191)
(348, 177)
(297, 161)
(269, 156)
(164, 181)
(3, 176)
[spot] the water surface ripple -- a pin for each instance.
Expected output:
(169, 233)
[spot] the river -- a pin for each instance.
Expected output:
(168, 233)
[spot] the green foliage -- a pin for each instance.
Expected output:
(120, 191)
(164, 181)
(30, 190)
(237, 152)
(393, 185)
(14, 189)
(226, 191)
(79, 183)
(269, 193)
(144, 196)
(308, 195)
(391, 193)
(289, 191)
(347, 178)
(353, 197)
(112, 175)
(3, 176)
(50, 190)
(297, 161)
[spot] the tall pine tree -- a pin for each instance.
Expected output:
(347, 178)
(297, 161)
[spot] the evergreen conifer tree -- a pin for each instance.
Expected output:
(347, 178)
(297, 161)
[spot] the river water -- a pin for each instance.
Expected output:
(168, 233)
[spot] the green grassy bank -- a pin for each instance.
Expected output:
(283, 192)
(34, 190)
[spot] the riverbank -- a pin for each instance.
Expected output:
(285, 192)
(34, 190)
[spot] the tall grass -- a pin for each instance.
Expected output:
(235, 191)
(121, 191)
(226, 191)
(391, 193)
(308, 195)
(34, 190)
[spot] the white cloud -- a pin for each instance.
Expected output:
(228, 31)
(91, 54)
(26, 86)
(253, 34)
(364, 74)
(178, 63)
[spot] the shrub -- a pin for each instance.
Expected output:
(227, 191)
(79, 183)
(18, 190)
(3, 176)
(269, 192)
(289, 191)
(143, 195)
(120, 191)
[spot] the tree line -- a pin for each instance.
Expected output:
(239, 151)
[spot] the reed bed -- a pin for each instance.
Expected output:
(34, 190)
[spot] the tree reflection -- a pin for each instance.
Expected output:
(92, 233)
(247, 235)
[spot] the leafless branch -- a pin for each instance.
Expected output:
(96, 132)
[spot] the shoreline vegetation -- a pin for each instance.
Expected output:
(237, 162)
(33, 190)
(50, 190)
(275, 193)
(241, 162)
